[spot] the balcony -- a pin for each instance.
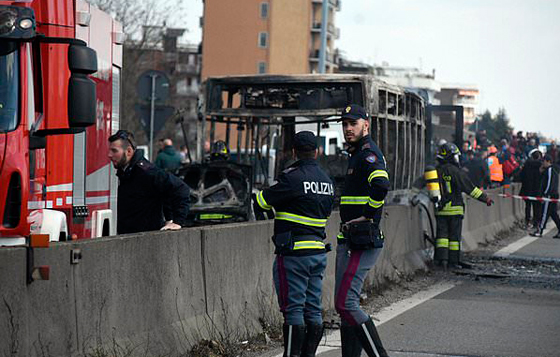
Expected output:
(333, 3)
(330, 58)
(332, 30)
(184, 91)
(467, 102)
(185, 68)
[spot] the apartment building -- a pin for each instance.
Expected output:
(461, 94)
(266, 36)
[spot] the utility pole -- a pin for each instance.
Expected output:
(152, 113)
(323, 49)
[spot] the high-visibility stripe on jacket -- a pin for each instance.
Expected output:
(496, 170)
(302, 199)
(296, 218)
(366, 182)
(454, 182)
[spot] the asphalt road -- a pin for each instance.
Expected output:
(508, 306)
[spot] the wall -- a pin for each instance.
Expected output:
(230, 42)
(290, 33)
(159, 292)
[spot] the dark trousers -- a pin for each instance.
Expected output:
(550, 210)
(448, 238)
(536, 206)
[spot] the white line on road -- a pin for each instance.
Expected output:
(517, 245)
(402, 306)
(332, 341)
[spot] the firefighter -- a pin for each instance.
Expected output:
(360, 241)
(219, 152)
(450, 209)
(302, 200)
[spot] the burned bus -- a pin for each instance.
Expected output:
(258, 116)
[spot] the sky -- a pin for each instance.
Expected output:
(510, 49)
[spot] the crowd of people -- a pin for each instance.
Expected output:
(517, 158)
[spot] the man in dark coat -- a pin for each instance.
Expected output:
(549, 190)
(477, 170)
(144, 190)
(531, 186)
(168, 159)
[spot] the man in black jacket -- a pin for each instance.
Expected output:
(549, 185)
(145, 191)
(477, 170)
(531, 186)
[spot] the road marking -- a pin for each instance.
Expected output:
(517, 245)
(394, 310)
(331, 341)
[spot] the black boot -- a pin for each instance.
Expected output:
(367, 333)
(351, 346)
(294, 335)
(313, 336)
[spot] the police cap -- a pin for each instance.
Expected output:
(305, 141)
(354, 112)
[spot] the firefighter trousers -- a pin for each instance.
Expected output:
(299, 282)
(352, 267)
(448, 239)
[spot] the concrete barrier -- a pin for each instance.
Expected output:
(481, 223)
(159, 292)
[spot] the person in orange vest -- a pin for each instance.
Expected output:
(495, 167)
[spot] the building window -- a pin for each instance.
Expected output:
(264, 10)
(261, 67)
(263, 39)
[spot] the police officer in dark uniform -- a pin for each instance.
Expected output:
(302, 199)
(360, 240)
(148, 198)
(450, 209)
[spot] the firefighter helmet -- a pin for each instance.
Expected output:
(448, 152)
(219, 151)
(492, 150)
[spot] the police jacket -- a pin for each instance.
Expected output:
(550, 183)
(453, 182)
(303, 199)
(366, 182)
(143, 192)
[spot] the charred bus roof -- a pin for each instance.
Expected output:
(291, 95)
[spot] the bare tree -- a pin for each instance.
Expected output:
(142, 21)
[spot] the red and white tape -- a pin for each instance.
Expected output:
(529, 198)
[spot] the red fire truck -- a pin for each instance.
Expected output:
(60, 65)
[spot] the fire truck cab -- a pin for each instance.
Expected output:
(60, 69)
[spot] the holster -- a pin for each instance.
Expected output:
(363, 235)
(283, 243)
